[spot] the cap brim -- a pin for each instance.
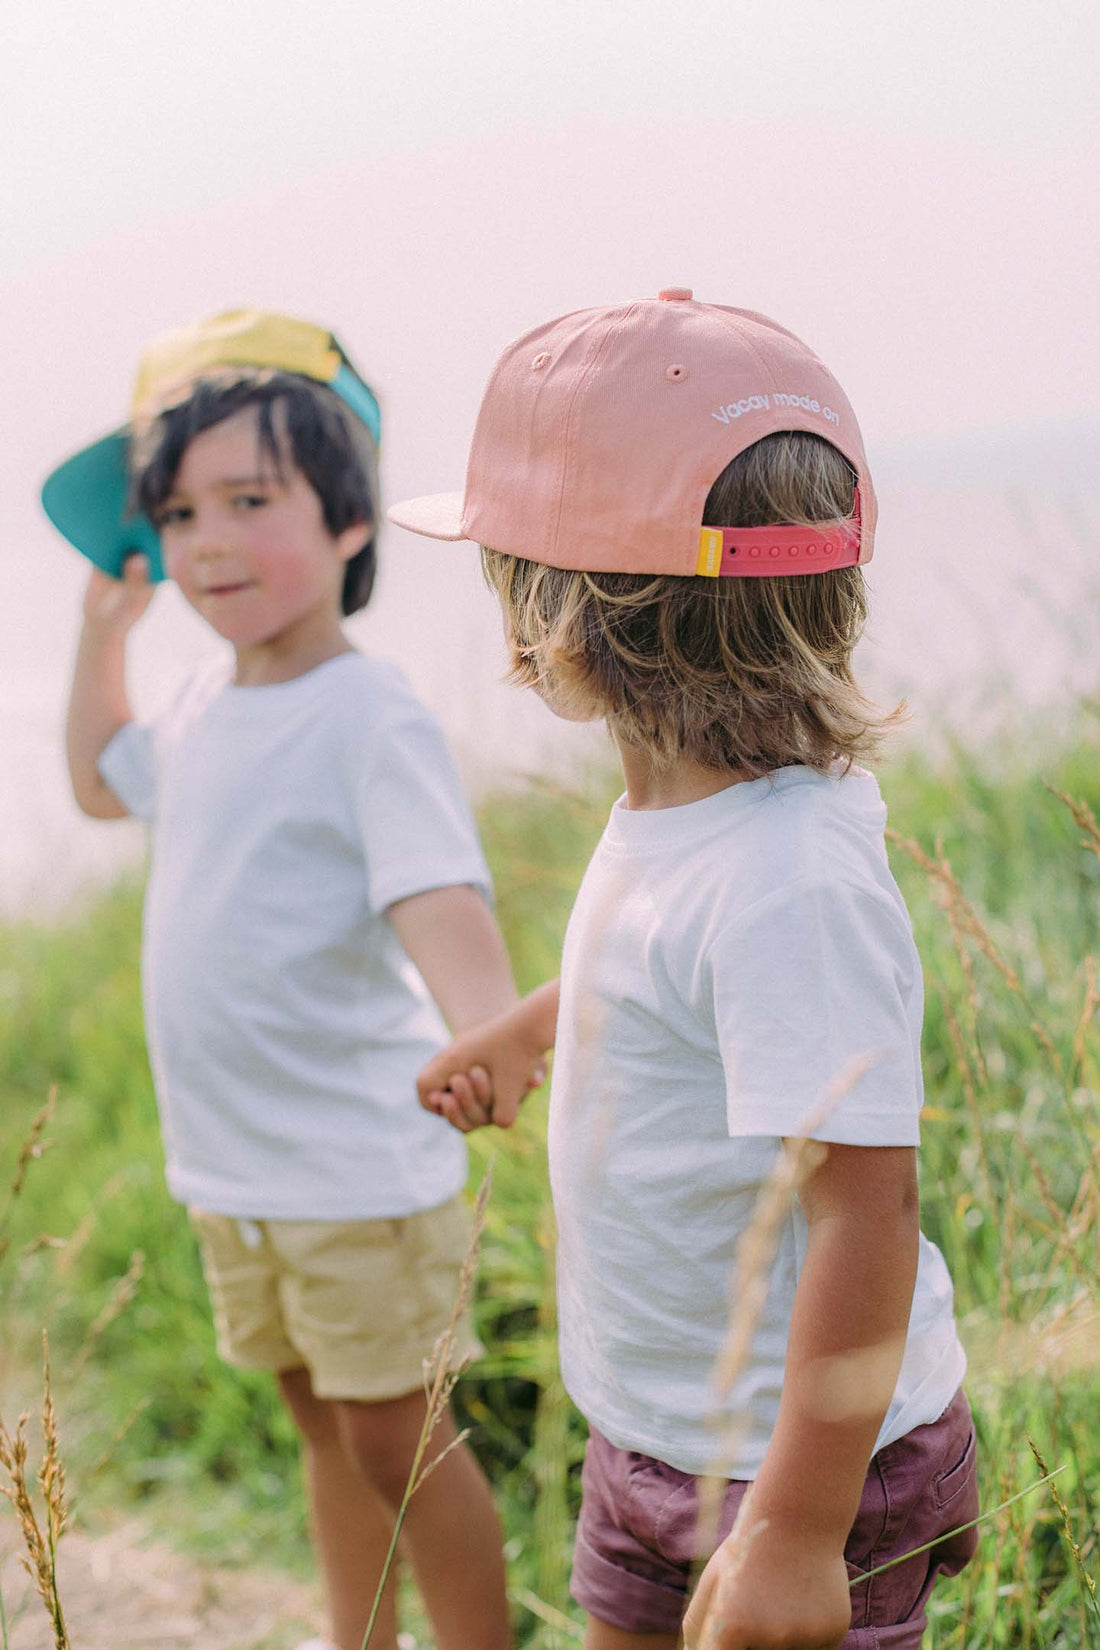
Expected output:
(86, 499)
(436, 516)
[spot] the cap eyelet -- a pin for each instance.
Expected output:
(542, 359)
(676, 374)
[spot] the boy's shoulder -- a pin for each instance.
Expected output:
(801, 868)
(809, 817)
(816, 850)
(816, 830)
(372, 706)
(777, 840)
(377, 689)
(780, 828)
(190, 697)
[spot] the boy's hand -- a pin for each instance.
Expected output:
(768, 1590)
(484, 1075)
(117, 604)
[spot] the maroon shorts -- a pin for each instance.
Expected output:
(636, 1535)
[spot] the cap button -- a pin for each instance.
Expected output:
(675, 294)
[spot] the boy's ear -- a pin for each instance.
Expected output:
(354, 538)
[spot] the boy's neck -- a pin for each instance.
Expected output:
(295, 651)
(672, 787)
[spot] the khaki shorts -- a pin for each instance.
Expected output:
(359, 1303)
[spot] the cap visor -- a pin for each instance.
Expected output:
(86, 499)
(437, 516)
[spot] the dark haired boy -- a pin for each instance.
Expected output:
(317, 916)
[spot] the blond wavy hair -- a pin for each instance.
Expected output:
(741, 675)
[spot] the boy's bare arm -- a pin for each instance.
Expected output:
(452, 937)
(98, 703)
(484, 1075)
(847, 1337)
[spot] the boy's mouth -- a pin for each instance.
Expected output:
(228, 589)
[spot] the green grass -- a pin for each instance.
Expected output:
(1012, 1122)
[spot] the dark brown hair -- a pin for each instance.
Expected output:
(328, 444)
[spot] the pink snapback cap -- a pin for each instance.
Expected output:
(601, 433)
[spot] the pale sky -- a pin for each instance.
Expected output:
(912, 189)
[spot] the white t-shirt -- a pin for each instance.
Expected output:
(724, 963)
(285, 1022)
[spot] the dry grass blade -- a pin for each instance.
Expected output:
(32, 1147)
(966, 924)
(73, 1246)
(1084, 1023)
(950, 896)
(13, 1459)
(51, 1473)
(51, 1479)
(456, 1441)
(108, 1455)
(40, 1535)
(1083, 816)
(120, 1297)
(1067, 1530)
(753, 1259)
(549, 1613)
(983, 1518)
(36, 1245)
(1066, 1247)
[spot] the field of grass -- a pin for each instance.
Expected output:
(1010, 1182)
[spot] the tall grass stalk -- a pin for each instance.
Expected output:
(41, 1532)
(33, 1146)
(1088, 1585)
(749, 1284)
(440, 1375)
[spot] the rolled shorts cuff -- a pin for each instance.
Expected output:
(363, 1382)
(633, 1603)
(360, 1304)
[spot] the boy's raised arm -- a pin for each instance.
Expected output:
(98, 703)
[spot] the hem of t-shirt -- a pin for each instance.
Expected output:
(851, 1128)
(383, 895)
(241, 1204)
(639, 1442)
(931, 1398)
(920, 1409)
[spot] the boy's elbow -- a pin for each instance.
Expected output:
(97, 801)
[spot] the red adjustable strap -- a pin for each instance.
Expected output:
(765, 552)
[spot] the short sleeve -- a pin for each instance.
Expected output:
(127, 764)
(807, 987)
(417, 827)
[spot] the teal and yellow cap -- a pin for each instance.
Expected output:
(87, 496)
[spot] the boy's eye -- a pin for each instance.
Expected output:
(249, 501)
(171, 515)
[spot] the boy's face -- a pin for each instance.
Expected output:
(251, 551)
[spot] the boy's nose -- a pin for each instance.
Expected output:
(209, 545)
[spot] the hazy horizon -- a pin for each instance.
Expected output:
(912, 192)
